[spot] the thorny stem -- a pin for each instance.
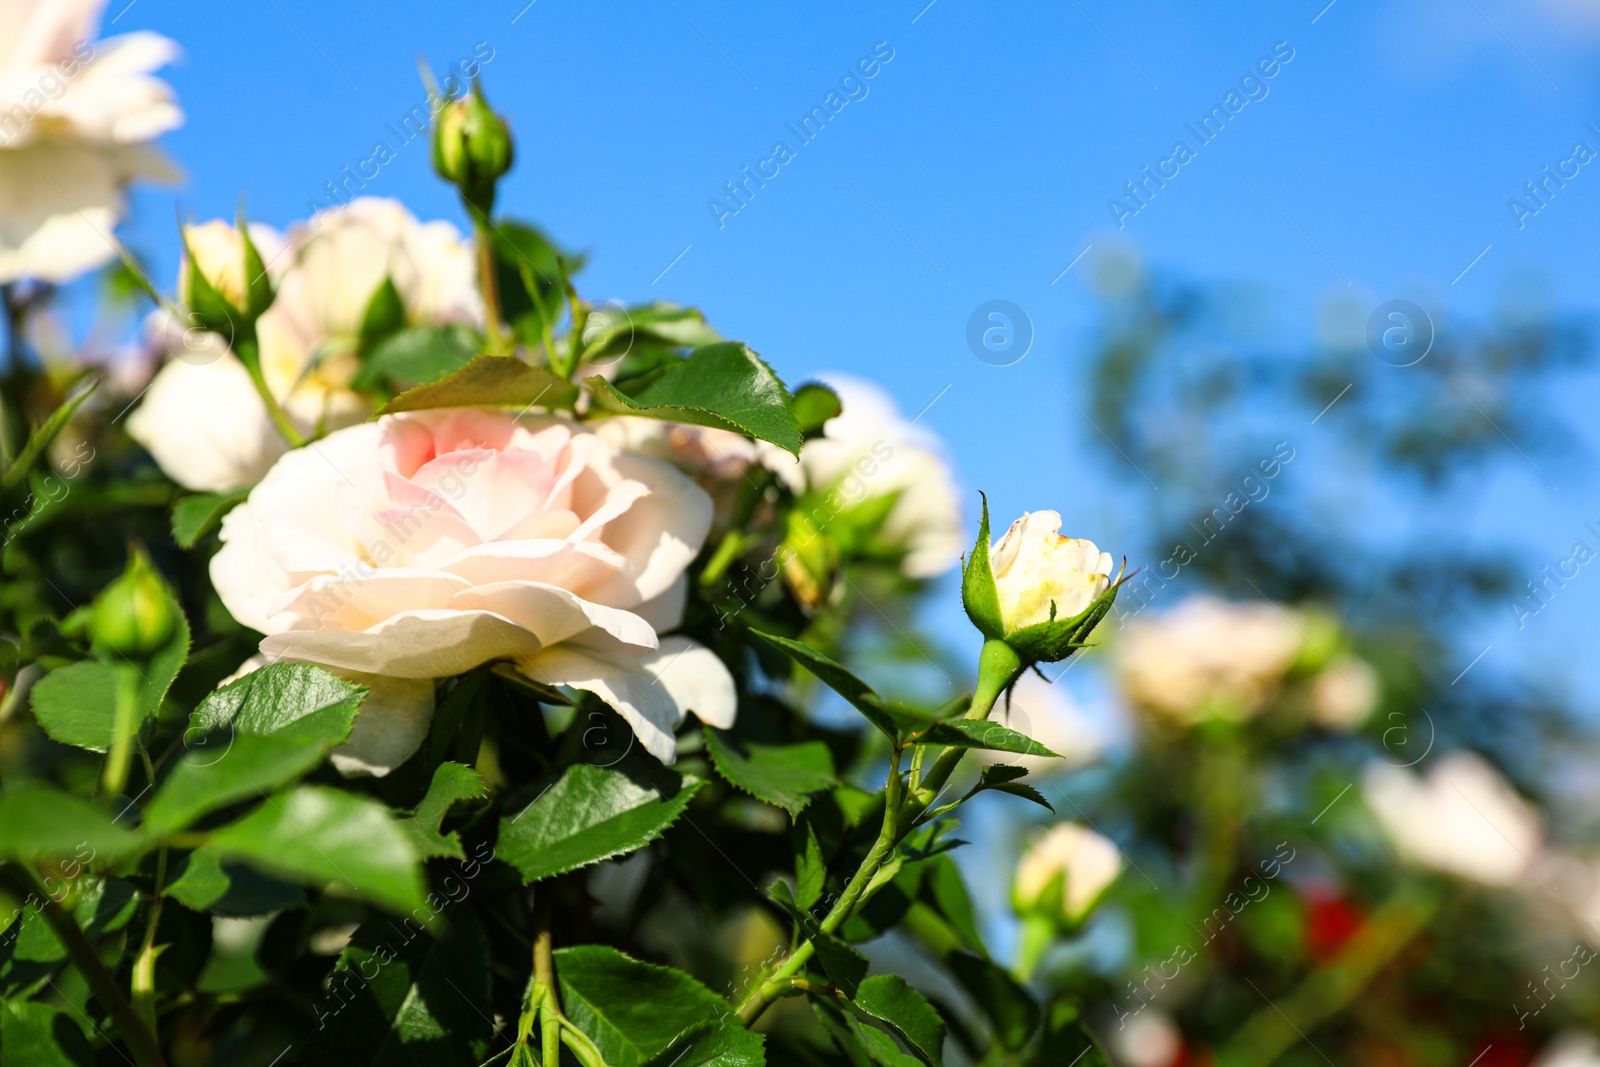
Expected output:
(998, 668)
(22, 881)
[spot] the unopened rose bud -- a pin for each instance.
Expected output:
(472, 148)
(134, 614)
(224, 277)
(1039, 592)
(1066, 874)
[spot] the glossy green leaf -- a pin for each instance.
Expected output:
(205, 883)
(590, 814)
(399, 997)
(713, 1044)
(881, 1047)
(530, 272)
(724, 385)
(36, 1035)
(328, 838)
(890, 999)
(417, 355)
(452, 782)
(489, 381)
(784, 776)
(205, 779)
(77, 704)
(982, 733)
(38, 820)
(197, 514)
(631, 1010)
(860, 695)
(814, 405)
(293, 700)
(612, 332)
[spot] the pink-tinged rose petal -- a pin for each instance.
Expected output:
(574, 565)
(553, 614)
(432, 643)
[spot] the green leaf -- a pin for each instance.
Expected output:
(1012, 1012)
(630, 1010)
(489, 381)
(325, 837)
(30, 951)
(810, 870)
(385, 313)
(530, 273)
(888, 998)
(416, 355)
(46, 432)
(36, 1035)
(860, 695)
(452, 782)
(205, 779)
(710, 1044)
(979, 594)
(1025, 791)
(881, 1047)
(724, 385)
(784, 776)
(1068, 1040)
(206, 884)
(815, 404)
(294, 700)
(197, 514)
(945, 891)
(401, 998)
(982, 733)
(77, 704)
(590, 814)
(38, 820)
(611, 331)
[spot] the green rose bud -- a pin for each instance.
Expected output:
(134, 615)
(472, 148)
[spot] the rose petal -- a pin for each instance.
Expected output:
(431, 643)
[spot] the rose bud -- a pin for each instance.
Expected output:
(472, 148)
(134, 614)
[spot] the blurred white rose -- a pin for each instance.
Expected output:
(1047, 713)
(1151, 1039)
(207, 433)
(869, 451)
(1344, 693)
(1207, 658)
(1039, 573)
(76, 119)
(1084, 862)
(1463, 818)
(1571, 1049)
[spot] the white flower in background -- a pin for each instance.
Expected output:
(1572, 1049)
(76, 121)
(868, 451)
(1084, 863)
(1344, 693)
(1463, 818)
(326, 277)
(1207, 658)
(423, 545)
(390, 726)
(1151, 1039)
(1036, 569)
(1047, 713)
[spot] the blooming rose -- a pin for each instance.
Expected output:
(1208, 658)
(210, 433)
(1085, 862)
(1039, 574)
(869, 451)
(423, 545)
(1463, 818)
(1344, 693)
(76, 119)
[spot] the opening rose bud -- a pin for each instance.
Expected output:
(1037, 591)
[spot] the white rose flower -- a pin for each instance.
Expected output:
(1040, 574)
(1571, 1049)
(76, 119)
(426, 544)
(1086, 862)
(326, 276)
(1463, 818)
(869, 451)
(1208, 658)
(1345, 692)
(1150, 1039)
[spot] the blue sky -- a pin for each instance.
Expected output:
(976, 166)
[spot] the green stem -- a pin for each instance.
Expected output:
(250, 356)
(487, 285)
(544, 972)
(124, 726)
(1036, 936)
(23, 882)
(143, 981)
(1275, 1028)
(998, 667)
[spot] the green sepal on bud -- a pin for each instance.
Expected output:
(979, 595)
(136, 614)
(472, 148)
(1048, 642)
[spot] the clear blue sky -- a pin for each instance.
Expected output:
(977, 166)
